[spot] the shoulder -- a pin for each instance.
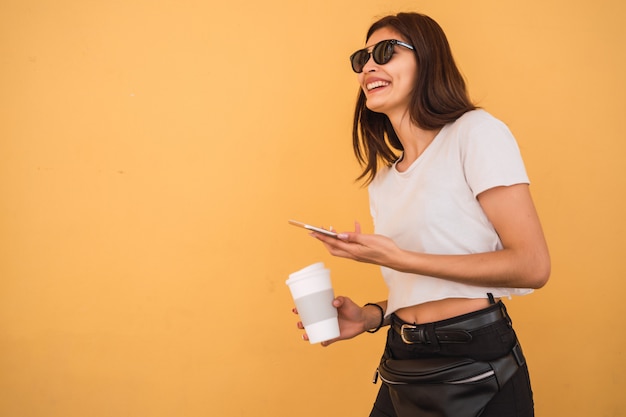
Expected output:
(477, 119)
(479, 128)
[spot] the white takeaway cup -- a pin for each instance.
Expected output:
(313, 295)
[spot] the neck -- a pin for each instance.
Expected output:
(414, 139)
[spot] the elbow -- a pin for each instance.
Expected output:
(540, 279)
(539, 273)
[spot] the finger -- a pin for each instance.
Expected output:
(338, 301)
(353, 236)
(333, 244)
(347, 243)
(328, 342)
(300, 325)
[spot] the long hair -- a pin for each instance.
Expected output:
(440, 95)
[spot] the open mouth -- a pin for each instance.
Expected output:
(376, 84)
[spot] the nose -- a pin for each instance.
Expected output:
(370, 65)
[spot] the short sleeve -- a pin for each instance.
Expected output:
(490, 155)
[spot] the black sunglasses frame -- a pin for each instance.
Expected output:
(382, 53)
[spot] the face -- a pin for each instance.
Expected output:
(388, 88)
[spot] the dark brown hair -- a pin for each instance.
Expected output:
(440, 95)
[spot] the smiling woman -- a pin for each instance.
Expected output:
(456, 230)
(426, 66)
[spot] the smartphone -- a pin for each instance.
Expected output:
(313, 228)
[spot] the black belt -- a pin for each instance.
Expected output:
(458, 332)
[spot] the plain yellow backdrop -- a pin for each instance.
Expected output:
(151, 153)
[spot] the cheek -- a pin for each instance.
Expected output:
(409, 82)
(359, 79)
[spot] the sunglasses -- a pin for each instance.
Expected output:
(381, 52)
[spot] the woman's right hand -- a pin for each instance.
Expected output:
(352, 320)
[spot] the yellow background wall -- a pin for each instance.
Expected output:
(151, 153)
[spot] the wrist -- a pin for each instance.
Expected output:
(375, 320)
(404, 261)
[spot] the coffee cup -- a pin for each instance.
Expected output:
(312, 292)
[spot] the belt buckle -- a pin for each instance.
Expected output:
(407, 326)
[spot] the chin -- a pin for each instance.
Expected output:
(375, 107)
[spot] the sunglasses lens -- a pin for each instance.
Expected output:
(359, 59)
(382, 52)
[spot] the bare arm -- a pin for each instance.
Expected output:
(524, 260)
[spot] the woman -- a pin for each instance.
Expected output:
(456, 228)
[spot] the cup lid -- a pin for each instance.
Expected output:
(306, 271)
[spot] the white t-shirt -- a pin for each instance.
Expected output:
(432, 207)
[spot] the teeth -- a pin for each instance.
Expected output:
(376, 84)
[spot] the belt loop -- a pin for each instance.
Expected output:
(505, 313)
(518, 354)
(491, 299)
(432, 337)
